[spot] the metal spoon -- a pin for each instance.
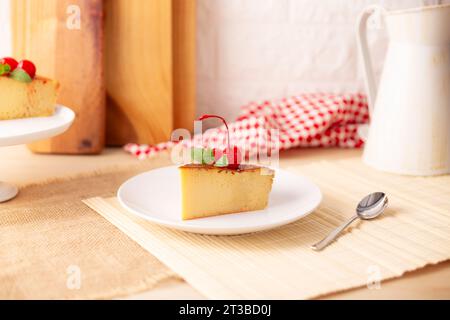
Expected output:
(369, 207)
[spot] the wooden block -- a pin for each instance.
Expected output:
(46, 32)
(138, 71)
(150, 69)
(183, 41)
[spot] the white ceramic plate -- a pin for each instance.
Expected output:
(156, 196)
(20, 131)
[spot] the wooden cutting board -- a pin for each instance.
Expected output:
(65, 40)
(148, 62)
(150, 69)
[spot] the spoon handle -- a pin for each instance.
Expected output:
(328, 239)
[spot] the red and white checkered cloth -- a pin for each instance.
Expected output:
(306, 120)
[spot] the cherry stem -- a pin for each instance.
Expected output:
(207, 116)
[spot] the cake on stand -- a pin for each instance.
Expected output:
(22, 131)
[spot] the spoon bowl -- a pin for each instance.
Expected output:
(372, 205)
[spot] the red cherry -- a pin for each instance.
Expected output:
(9, 61)
(234, 157)
(28, 67)
(217, 153)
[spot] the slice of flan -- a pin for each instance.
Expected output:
(209, 190)
(23, 100)
(24, 94)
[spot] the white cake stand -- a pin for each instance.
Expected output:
(21, 131)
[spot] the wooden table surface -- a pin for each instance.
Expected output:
(18, 165)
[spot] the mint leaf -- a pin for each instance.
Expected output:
(21, 75)
(208, 156)
(4, 68)
(222, 162)
(197, 155)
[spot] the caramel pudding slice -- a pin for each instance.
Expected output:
(24, 100)
(208, 190)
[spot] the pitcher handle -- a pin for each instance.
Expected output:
(363, 47)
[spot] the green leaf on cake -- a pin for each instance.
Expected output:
(21, 75)
(197, 155)
(222, 161)
(208, 156)
(4, 68)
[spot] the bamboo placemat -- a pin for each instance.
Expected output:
(413, 232)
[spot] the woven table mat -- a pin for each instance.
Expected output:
(413, 232)
(52, 246)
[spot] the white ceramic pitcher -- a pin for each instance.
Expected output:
(409, 129)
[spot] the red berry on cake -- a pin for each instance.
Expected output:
(217, 153)
(28, 67)
(234, 157)
(11, 62)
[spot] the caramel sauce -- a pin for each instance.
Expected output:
(241, 167)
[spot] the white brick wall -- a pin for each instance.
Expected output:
(261, 49)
